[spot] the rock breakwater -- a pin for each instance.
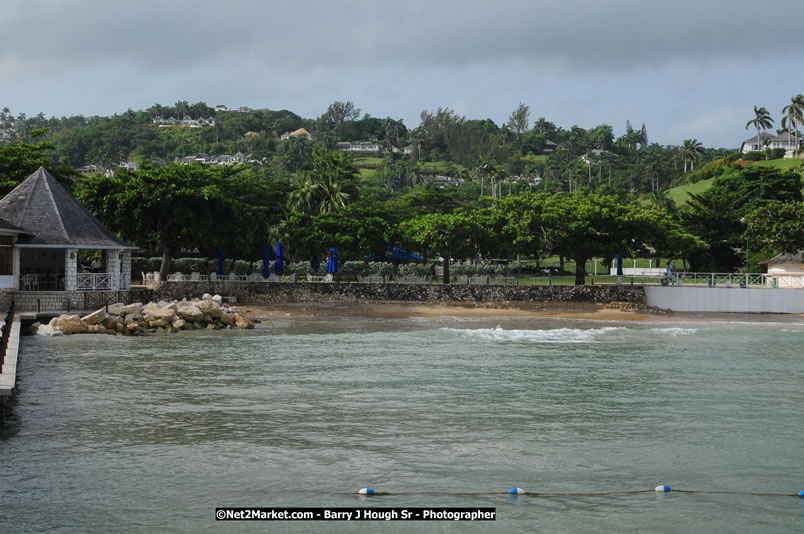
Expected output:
(208, 312)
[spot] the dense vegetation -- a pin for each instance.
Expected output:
(534, 191)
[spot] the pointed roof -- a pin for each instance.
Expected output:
(41, 206)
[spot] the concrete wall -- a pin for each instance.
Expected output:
(264, 292)
(726, 299)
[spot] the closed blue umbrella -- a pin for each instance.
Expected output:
(266, 260)
(221, 260)
(279, 267)
(619, 265)
(332, 261)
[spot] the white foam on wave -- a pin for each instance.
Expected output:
(555, 335)
(675, 331)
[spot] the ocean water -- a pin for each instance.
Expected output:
(151, 434)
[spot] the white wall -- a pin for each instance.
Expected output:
(726, 299)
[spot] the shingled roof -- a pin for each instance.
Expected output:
(42, 207)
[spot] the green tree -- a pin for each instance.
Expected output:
(519, 119)
(691, 150)
(452, 235)
(778, 225)
(718, 214)
(20, 160)
(761, 121)
(793, 115)
(330, 184)
(178, 206)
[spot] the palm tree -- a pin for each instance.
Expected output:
(329, 186)
(690, 151)
(762, 120)
(794, 114)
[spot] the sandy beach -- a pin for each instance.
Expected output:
(385, 310)
(555, 310)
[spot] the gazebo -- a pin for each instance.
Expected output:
(42, 230)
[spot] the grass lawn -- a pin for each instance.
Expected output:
(367, 162)
(782, 163)
(680, 194)
(364, 173)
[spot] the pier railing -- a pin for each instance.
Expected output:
(5, 332)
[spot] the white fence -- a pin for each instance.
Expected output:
(93, 281)
(773, 280)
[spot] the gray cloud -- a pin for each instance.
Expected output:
(581, 34)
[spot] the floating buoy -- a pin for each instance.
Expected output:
(801, 494)
(663, 489)
(366, 491)
(516, 491)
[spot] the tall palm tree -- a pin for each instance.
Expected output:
(794, 115)
(762, 120)
(690, 151)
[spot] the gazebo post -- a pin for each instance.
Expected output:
(113, 268)
(70, 269)
(125, 269)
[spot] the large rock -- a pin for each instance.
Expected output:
(94, 317)
(130, 308)
(114, 309)
(191, 313)
(178, 324)
(48, 330)
(228, 318)
(241, 321)
(168, 314)
(216, 310)
(217, 299)
(70, 324)
(204, 305)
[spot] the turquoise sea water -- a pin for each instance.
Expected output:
(150, 434)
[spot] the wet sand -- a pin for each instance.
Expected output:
(555, 310)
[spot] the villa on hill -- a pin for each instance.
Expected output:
(42, 230)
(784, 140)
(359, 147)
(186, 122)
(295, 133)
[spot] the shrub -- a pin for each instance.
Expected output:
(776, 153)
(299, 268)
(416, 269)
(351, 269)
(754, 156)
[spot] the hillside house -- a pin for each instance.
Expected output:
(771, 142)
(359, 147)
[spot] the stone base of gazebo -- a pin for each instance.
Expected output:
(43, 301)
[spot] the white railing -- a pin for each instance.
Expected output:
(93, 281)
(503, 281)
(372, 279)
(772, 280)
(412, 279)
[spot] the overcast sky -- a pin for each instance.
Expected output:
(686, 68)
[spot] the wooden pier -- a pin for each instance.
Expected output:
(9, 348)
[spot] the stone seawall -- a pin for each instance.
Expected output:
(268, 293)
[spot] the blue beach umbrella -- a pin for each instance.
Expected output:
(279, 267)
(221, 260)
(332, 261)
(619, 265)
(266, 260)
